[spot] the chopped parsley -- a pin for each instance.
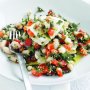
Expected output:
(59, 22)
(39, 10)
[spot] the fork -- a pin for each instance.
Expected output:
(15, 35)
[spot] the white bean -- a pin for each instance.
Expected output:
(62, 49)
(70, 65)
(12, 57)
(6, 50)
(29, 68)
(15, 45)
(2, 44)
(25, 52)
(56, 43)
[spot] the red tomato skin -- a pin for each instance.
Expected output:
(50, 46)
(17, 41)
(35, 73)
(54, 51)
(63, 63)
(50, 32)
(25, 28)
(30, 33)
(59, 72)
(7, 43)
(47, 53)
(1, 34)
(68, 47)
(36, 46)
(88, 42)
(30, 23)
(28, 42)
(44, 68)
(54, 62)
(83, 51)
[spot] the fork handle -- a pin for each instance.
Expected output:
(24, 72)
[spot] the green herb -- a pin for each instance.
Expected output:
(87, 48)
(25, 56)
(39, 10)
(51, 24)
(56, 56)
(39, 35)
(32, 64)
(59, 22)
(64, 56)
(26, 19)
(71, 36)
(31, 49)
(72, 27)
(35, 19)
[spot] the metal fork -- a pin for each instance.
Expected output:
(15, 35)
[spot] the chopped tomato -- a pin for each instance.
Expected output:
(63, 63)
(51, 13)
(59, 72)
(54, 62)
(62, 41)
(80, 34)
(36, 73)
(80, 44)
(22, 48)
(1, 34)
(28, 42)
(54, 51)
(68, 46)
(63, 36)
(30, 23)
(88, 42)
(7, 43)
(50, 32)
(44, 68)
(50, 46)
(36, 27)
(30, 33)
(47, 53)
(36, 46)
(25, 28)
(17, 41)
(83, 51)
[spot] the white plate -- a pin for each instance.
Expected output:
(13, 10)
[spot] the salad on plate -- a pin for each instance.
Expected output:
(50, 44)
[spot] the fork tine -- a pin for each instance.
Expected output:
(19, 34)
(10, 35)
(16, 34)
(13, 35)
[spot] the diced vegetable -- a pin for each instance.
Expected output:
(30, 23)
(1, 34)
(55, 62)
(30, 33)
(59, 72)
(50, 32)
(28, 42)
